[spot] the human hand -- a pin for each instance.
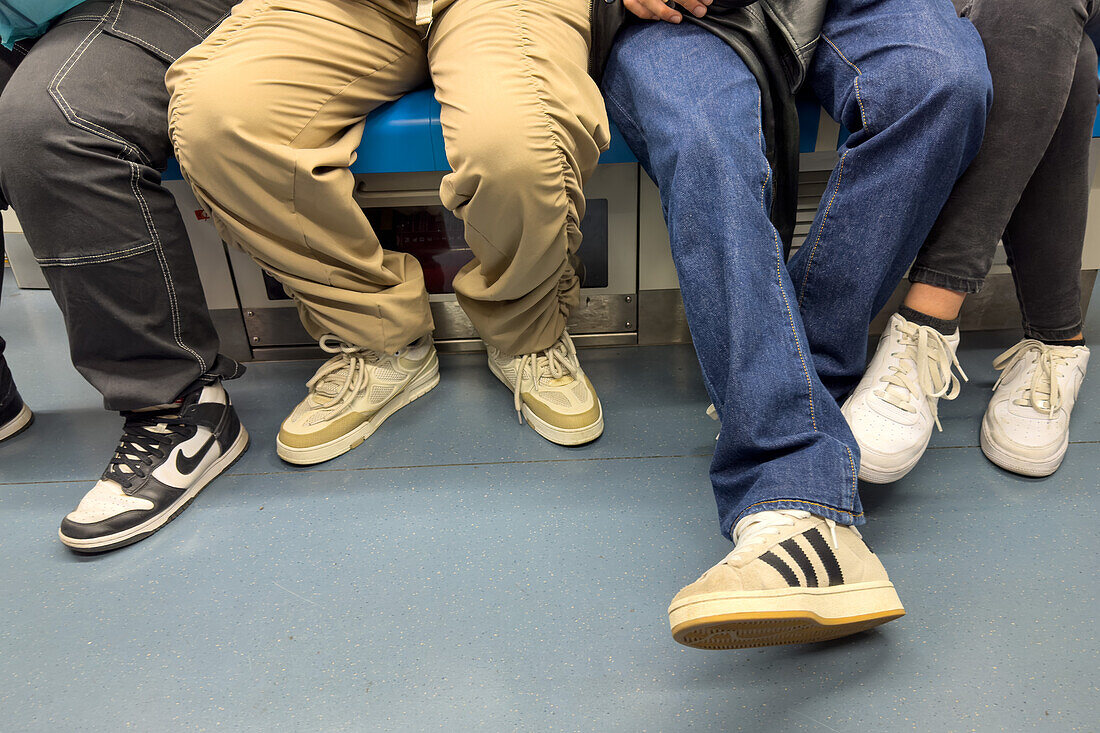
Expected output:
(658, 10)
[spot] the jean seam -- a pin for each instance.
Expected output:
(779, 263)
(859, 73)
(166, 272)
(922, 274)
(792, 500)
(821, 228)
(198, 34)
(70, 113)
(95, 259)
(141, 41)
(1053, 334)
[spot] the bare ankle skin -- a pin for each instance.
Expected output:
(933, 301)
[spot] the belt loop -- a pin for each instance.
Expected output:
(424, 13)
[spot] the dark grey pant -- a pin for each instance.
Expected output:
(1029, 183)
(83, 140)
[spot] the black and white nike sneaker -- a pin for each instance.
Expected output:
(166, 456)
(15, 417)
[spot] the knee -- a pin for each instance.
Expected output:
(211, 121)
(499, 155)
(949, 86)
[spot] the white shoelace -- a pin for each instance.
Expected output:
(554, 363)
(928, 349)
(758, 528)
(1043, 392)
(328, 387)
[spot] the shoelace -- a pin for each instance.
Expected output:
(145, 436)
(759, 527)
(329, 387)
(928, 349)
(554, 362)
(1043, 392)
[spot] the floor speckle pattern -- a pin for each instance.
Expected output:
(457, 572)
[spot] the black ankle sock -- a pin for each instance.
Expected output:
(1064, 342)
(947, 328)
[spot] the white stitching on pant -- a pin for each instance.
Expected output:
(161, 10)
(67, 110)
(96, 258)
(165, 270)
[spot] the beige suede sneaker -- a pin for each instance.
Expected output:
(351, 395)
(552, 392)
(792, 578)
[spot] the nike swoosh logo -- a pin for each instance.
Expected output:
(186, 464)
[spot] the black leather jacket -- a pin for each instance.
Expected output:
(776, 39)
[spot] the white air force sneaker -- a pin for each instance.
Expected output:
(1026, 427)
(894, 408)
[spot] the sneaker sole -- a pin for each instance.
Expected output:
(21, 422)
(875, 475)
(151, 525)
(1016, 464)
(418, 386)
(795, 616)
(559, 436)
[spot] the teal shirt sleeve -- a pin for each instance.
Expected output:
(20, 19)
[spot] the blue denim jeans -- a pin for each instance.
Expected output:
(781, 343)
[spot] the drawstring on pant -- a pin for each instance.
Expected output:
(424, 13)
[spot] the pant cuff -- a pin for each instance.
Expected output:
(1053, 334)
(944, 280)
(840, 516)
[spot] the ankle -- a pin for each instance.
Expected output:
(946, 326)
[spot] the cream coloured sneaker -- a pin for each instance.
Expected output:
(552, 392)
(894, 407)
(792, 578)
(351, 395)
(1026, 426)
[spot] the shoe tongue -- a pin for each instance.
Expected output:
(331, 384)
(561, 381)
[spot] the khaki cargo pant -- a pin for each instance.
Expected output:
(266, 116)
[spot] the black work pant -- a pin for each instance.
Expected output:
(83, 141)
(1029, 183)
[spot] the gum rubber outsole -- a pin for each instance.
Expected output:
(743, 619)
(97, 545)
(750, 630)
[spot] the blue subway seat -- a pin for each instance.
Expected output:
(405, 136)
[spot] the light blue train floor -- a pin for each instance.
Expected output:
(457, 572)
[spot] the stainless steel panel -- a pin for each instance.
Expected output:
(583, 341)
(661, 318)
(276, 327)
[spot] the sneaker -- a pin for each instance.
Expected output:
(792, 578)
(894, 407)
(166, 456)
(351, 395)
(1026, 427)
(552, 392)
(15, 417)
